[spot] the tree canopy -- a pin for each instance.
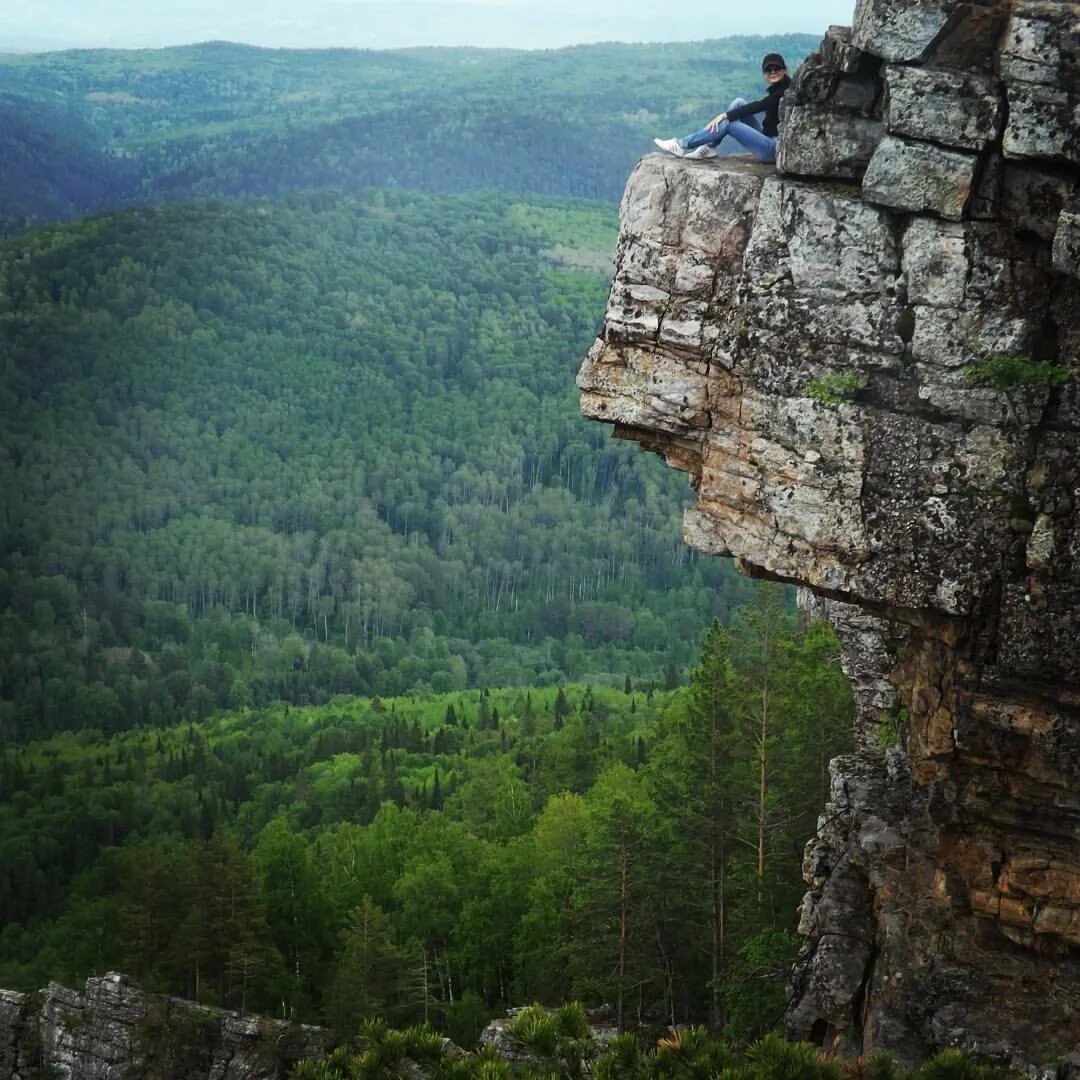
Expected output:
(439, 857)
(283, 451)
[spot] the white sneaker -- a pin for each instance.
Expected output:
(671, 146)
(700, 152)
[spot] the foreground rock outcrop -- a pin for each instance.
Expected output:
(115, 1031)
(866, 361)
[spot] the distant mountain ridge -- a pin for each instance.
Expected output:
(393, 24)
(90, 130)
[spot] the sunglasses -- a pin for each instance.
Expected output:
(772, 69)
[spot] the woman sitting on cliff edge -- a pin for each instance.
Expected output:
(740, 121)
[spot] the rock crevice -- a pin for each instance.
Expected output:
(866, 360)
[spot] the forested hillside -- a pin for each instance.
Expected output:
(441, 857)
(231, 120)
(332, 445)
(54, 166)
(338, 655)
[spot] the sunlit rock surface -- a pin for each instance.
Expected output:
(815, 346)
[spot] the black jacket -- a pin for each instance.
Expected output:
(769, 105)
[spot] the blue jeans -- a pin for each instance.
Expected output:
(746, 132)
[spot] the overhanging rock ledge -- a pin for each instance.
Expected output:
(866, 360)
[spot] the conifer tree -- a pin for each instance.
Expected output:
(295, 908)
(371, 975)
(614, 897)
(695, 781)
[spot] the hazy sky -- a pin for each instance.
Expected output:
(383, 24)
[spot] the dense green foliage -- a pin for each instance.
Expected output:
(285, 451)
(688, 1053)
(1003, 372)
(685, 1053)
(257, 458)
(836, 388)
(230, 120)
(433, 858)
(52, 165)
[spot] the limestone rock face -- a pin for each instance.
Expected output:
(1040, 66)
(1067, 242)
(867, 363)
(961, 110)
(114, 1031)
(919, 176)
(824, 144)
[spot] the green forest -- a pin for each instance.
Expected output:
(346, 674)
(283, 451)
(230, 120)
(436, 858)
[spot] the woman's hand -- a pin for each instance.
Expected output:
(716, 121)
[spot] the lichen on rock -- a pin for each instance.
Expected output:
(866, 362)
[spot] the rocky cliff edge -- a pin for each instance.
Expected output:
(115, 1031)
(866, 360)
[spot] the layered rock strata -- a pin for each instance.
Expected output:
(115, 1031)
(866, 361)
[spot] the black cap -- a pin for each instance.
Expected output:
(773, 59)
